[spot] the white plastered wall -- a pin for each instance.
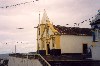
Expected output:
(74, 44)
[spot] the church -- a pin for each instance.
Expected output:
(57, 39)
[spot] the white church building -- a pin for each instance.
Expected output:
(57, 39)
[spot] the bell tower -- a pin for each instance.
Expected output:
(48, 38)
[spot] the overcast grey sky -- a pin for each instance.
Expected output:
(60, 12)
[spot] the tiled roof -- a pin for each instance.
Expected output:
(73, 30)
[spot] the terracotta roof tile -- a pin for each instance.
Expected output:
(73, 30)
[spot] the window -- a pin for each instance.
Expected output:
(97, 34)
(85, 47)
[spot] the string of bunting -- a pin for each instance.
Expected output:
(18, 4)
(16, 42)
(78, 24)
(89, 20)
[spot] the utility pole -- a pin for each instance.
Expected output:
(15, 49)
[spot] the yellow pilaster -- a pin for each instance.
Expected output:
(57, 41)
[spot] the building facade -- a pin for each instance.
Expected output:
(95, 25)
(48, 39)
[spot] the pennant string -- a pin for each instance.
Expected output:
(18, 4)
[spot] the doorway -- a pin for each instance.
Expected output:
(85, 47)
(48, 49)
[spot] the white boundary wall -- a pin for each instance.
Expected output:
(13, 61)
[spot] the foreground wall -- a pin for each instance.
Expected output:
(13, 61)
(96, 51)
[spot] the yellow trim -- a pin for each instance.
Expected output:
(52, 28)
(57, 42)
